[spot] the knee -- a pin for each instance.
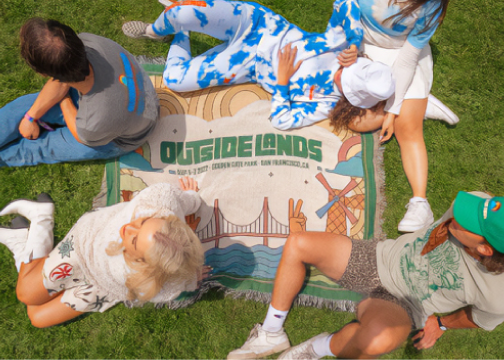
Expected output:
(408, 131)
(409, 138)
(25, 293)
(174, 83)
(296, 245)
(36, 318)
(378, 340)
(182, 15)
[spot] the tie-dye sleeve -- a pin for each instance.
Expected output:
(286, 114)
(346, 13)
(162, 26)
(429, 15)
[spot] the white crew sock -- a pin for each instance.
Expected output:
(322, 346)
(166, 2)
(274, 319)
(418, 199)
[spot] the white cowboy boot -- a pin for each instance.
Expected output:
(41, 215)
(15, 239)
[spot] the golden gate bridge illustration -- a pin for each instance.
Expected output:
(338, 209)
(265, 226)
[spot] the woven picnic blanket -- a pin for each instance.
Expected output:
(256, 183)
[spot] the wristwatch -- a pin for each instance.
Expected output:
(440, 324)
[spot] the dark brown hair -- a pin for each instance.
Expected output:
(412, 5)
(344, 112)
(494, 263)
(54, 49)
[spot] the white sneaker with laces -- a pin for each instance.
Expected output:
(261, 343)
(166, 2)
(304, 350)
(436, 110)
(419, 215)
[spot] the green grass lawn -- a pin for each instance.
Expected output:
(468, 77)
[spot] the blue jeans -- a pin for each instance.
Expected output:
(51, 146)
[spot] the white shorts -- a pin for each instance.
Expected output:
(422, 80)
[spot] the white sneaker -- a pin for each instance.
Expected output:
(436, 110)
(261, 343)
(419, 215)
(304, 350)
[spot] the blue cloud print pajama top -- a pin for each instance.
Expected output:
(252, 35)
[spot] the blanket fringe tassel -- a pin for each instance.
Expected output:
(301, 299)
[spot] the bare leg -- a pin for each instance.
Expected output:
(30, 288)
(43, 309)
(382, 327)
(409, 134)
(327, 252)
(51, 313)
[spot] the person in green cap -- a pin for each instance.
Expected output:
(454, 266)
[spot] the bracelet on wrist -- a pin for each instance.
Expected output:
(440, 324)
(29, 118)
(40, 122)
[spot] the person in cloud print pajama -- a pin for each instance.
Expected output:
(316, 69)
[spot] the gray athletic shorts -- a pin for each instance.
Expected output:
(361, 275)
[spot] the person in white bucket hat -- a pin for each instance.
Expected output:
(367, 82)
(302, 71)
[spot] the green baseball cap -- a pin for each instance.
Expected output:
(484, 217)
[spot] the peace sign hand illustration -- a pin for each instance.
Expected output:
(297, 220)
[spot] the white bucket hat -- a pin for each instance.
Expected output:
(367, 82)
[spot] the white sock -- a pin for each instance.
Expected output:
(274, 319)
(418, 199)
(168, 3)
(322, 346)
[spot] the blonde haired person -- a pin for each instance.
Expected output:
(133, 252)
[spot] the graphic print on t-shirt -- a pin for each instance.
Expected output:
(133, 80)
(438, 269)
